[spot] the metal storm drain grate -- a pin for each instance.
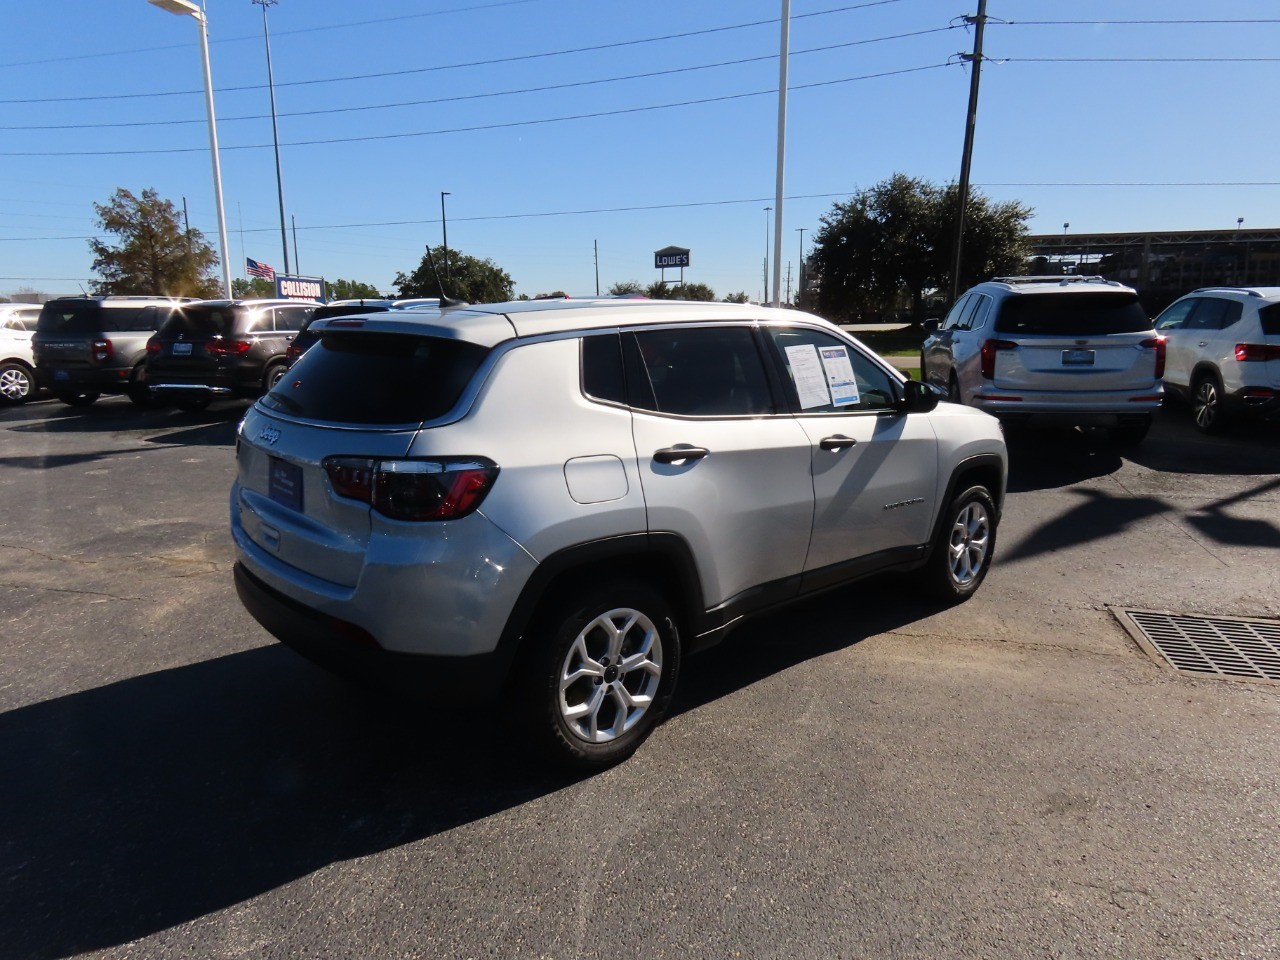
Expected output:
(1226, 647)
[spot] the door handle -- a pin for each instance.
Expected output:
(1203, 343)
(678, 454)
(837, 442)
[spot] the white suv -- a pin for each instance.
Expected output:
(1078, 350)
(1224, 352)
(17, 364)
(553, 502)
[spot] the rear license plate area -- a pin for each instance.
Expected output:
(1077, 358)
(284, 483)
(61, 375)
(182, 349)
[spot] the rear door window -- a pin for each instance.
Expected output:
(602, 377)
(122, 319)
(1214, 313)
(376, 378)
(291, 319)
(1072, 314)
(699, 372)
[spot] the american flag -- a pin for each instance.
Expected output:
(256, 269)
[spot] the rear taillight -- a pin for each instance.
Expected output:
(152, 347)
(989, 349)
(1257, 351)
(446, 488)
(1157, 344)
(292, 353)
(101, 350)
(227, 348)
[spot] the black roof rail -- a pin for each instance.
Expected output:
(1068, 278)
(1249, 290)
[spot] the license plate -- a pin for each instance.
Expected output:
(1077, 357)
(61, 375)
(182, 349)
(284, 483)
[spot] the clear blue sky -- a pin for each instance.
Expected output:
(695, 175)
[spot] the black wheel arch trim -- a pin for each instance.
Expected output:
(984, 462)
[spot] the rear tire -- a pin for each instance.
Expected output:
(963, 547)
(274, 374)
(1206, 404)
(17, 384)
(600, 674)
(953, 389)
(1130, 434)
(79, 399)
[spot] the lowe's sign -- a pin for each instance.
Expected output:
(299, 288)
(670, 257)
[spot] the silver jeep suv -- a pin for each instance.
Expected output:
(1077, 350)
(554, 502)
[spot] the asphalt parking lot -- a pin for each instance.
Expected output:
(862, 776)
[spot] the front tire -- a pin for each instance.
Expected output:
(963, 546)
(953, 389)
(139, 393)
(601, 675)
(17, 385)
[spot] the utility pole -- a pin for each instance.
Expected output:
(444, 230)
(788, 297)
(800, 285)
(186, 223)
(595, 249)
(767, 210)
(975, 60)
(275, 132)
(297, 263)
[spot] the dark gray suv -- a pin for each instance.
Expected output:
(87, 346)
(222, 348)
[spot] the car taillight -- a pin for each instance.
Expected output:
(227, 348)
(989, 348)
(446, 488)
(101, 350)
(292, 353)
(1257, 351)
(1157, 344)
(152, 346)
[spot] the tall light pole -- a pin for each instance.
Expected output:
(275, 133)
(767, 210)
(444, 229)
(800, 283)
(189, 9)
(782, 148)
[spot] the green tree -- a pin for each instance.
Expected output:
(680, 291)
(152, 253)
(739, 297)
(626, 288)
(243, 289)
(352, 290)
(468, 278)
(896, 239)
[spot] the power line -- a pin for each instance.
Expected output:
(641, 208)
(1117, 23)
(500, 93)
(456, 66)
(1136, 59)
(332, 26)
(476, 127)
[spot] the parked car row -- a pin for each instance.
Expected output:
(157, 349)
(1081, 350)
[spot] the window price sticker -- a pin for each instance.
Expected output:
(840, 380)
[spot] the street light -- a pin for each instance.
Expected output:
(275, 133)
(444, 228)
(767, 220)
(189, 9)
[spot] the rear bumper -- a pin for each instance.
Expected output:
(84, 379)
(1083, 409)
(170, 385)
(1255, 401)
(349, 651)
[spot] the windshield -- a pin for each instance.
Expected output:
(403, 379)
(1073, 314)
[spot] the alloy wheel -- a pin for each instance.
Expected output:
(970, 539)
(610, 675)
(1206, 405)
(15, 385)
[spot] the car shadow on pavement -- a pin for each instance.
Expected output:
(146, 803)
(119, 417)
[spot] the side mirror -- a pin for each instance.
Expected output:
(931, 325)
(919, 397)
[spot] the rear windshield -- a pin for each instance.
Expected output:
(200, 321)
(376, 378)
(1270, 317)
(89, 317)
(1073, 314)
